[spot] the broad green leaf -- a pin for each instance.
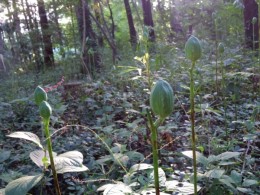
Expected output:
(119, 189)
(69, 162)
(225, 163)
(4, 155)
(228, 155)
(37, 157)
(237, 177)
(212, 158)
(244, 190)
(181, 187)
(249, 182)
(215, 173)
(22, 185)
(135, 156)
(199, 157)
(27, 136)
(151, 191)
(139, 167)
(228, 184)
(162, 177)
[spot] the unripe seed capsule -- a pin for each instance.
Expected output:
(45, 110)
(193, 48)
(221, 48)
(161, 99)
(254, 20)
(40, 95)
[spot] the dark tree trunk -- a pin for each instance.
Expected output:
(90, 54)
(250, 11)
(98, 18)
(148, 18)
(46, 35)
(132, 31)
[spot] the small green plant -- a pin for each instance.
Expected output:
(66, 162)
(193, 52)
(161, 102)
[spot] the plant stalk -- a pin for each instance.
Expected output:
(153, 127)
(55, 177)
(192, 114)
(216, 48)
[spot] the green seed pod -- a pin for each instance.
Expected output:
(161, 99)
(193, 48)
(254, 20)
(221, 48)
(45, 110)
(39, 95)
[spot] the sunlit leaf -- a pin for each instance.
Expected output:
(215, 173)
(181, 187)
(69, 162)
(228, 155)
(199, 157)
(27, 136)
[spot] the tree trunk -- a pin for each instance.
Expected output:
(98, 18)
(58, 29)
(90, 54)
(250, 11)
(46, 35)
(112, 20)
(132, 31)
(33, 34)
(148, 18)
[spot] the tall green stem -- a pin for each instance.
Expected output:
(153, 127)
(223, 88)
(47, 134)
(216, 47)
(192, 114)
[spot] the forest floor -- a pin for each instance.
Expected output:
(88, 116)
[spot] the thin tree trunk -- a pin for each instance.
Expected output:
(98, 18)
(59, 32)
(90, 54)
(106, 32)
(148, 18)
(46, 35)
(33, 34)
(112, 20)
(132, 31)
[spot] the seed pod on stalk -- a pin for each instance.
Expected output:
(221, 48)
(40, 95)
(193, 48)
(45, 110)
(161, 99)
